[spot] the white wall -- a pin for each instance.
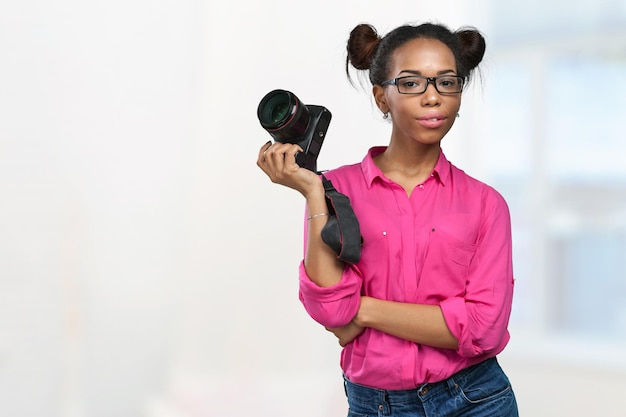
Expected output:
(97, 110)
(147, 266)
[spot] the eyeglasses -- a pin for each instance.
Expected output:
(415, 84)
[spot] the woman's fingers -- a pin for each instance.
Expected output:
(261, 158)
(277, 160)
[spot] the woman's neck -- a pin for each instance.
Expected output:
(408, 167)
(411, 161)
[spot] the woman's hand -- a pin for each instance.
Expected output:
(347, 333)
(278, 161)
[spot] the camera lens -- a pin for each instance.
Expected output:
(283, 115)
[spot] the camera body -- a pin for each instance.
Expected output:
(288, 120)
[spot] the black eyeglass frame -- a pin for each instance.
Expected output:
(429, 80)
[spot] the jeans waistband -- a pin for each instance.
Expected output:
(356, 391)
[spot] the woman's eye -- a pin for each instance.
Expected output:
(448, 83)
(411, 84)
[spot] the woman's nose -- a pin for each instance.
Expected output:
(431, 96)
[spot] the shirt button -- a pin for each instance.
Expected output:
(421, 186)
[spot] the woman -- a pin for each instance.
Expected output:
(423, 314)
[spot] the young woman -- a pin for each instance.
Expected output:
(424, 312)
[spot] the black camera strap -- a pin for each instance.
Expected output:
(342, 232)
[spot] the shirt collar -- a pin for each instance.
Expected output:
(371, 171)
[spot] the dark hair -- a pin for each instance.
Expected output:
(368, 51)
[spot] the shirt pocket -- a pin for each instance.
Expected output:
(446, 266)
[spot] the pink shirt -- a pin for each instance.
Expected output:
(448, 244)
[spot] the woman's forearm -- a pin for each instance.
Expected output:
(419, 323)
(320, 261)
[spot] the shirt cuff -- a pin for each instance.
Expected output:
(333, 306)
(455, 314)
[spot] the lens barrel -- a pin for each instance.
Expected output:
(283, 115)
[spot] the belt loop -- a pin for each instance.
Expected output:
(384, 408)
(452, 385)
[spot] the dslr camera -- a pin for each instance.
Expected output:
(287, 120)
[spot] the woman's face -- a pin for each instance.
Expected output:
(426, 117)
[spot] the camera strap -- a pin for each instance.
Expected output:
(342, 232)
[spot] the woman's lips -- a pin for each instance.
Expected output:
(432, 120)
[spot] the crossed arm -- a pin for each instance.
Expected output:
(419, 323)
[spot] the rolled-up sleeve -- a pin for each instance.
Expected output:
(479, 318)
(333, 306)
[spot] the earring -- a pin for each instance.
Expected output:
(458, 115)
(385, 116)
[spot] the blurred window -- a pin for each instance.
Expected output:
(556, 137)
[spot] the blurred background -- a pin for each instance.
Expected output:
(148, 268)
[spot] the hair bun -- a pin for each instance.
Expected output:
(472, 47)
(361, 47)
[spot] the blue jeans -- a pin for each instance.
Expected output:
(478, 391)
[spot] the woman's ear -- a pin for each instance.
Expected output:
(379, 96)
